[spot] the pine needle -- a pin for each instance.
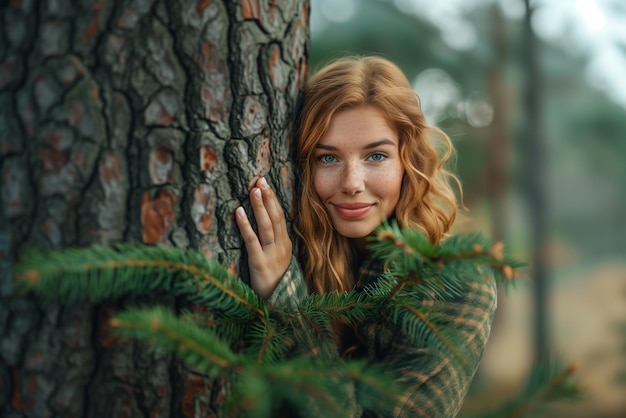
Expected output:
(98, 273)
(546, 383)
(201, 348)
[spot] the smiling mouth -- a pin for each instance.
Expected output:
(353, 211)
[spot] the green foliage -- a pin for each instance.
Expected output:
(442, 270)
(99, 273)
(200, 347)
(235, 333)
(546, 382)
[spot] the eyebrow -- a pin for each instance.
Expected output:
(368, 146)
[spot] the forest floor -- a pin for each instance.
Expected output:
(587, 327)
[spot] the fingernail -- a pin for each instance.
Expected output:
(240, 212)
(257, 193)
(264, 183)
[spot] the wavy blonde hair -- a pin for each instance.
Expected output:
(427, 201)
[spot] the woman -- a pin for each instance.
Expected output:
(365, 155)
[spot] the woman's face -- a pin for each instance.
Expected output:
(357, 172)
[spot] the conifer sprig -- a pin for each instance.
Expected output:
(219, 288)
(97, 274)
(444, 269)
(348, 306)
(235, 333)
(547, 382)
(418, 322)
(313, 389)
(102, 273)
(423, 328)
(268, 342)
(297, 381)
(199, 347)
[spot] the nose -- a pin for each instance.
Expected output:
(352, 181)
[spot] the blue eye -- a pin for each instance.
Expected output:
(327, 158)
(377, 157)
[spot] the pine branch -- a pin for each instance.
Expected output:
(231, 330)
(101, 273)
(350, 307)
(546, 383)
(299, 381)
(420, 324)
(98, 274)
(268, 342)
(239, 335)
(229, 294)
(312, 389)
(424, 329)
(199, 347)
(441, 270)
(551, 381)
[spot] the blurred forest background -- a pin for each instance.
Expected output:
(541, 140)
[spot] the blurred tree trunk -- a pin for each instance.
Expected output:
(497, 148)
(498, 141)
(132, 121)
(535, 175)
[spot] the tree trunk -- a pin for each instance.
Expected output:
(535, 177)
(498, 141)
(142, 122)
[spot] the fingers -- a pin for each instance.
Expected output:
(262, 207)
(269, 250)
(273, 209)
(247, 233)
(269, 216)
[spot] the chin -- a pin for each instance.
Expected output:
(354, 233)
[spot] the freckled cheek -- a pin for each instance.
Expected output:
(388, 182)
(321, 184)
(389, 188)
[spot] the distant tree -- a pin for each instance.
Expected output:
(534, 159)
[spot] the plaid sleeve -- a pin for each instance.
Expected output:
(291, 288)
(435, 383)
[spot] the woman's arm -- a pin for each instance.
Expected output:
(435, 381)
(291, 288)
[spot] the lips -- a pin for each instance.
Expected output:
(353, 210)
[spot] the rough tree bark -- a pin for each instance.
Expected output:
(135, 121)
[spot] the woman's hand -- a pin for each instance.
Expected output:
(269, 253)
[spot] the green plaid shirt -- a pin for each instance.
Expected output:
(434, 383)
